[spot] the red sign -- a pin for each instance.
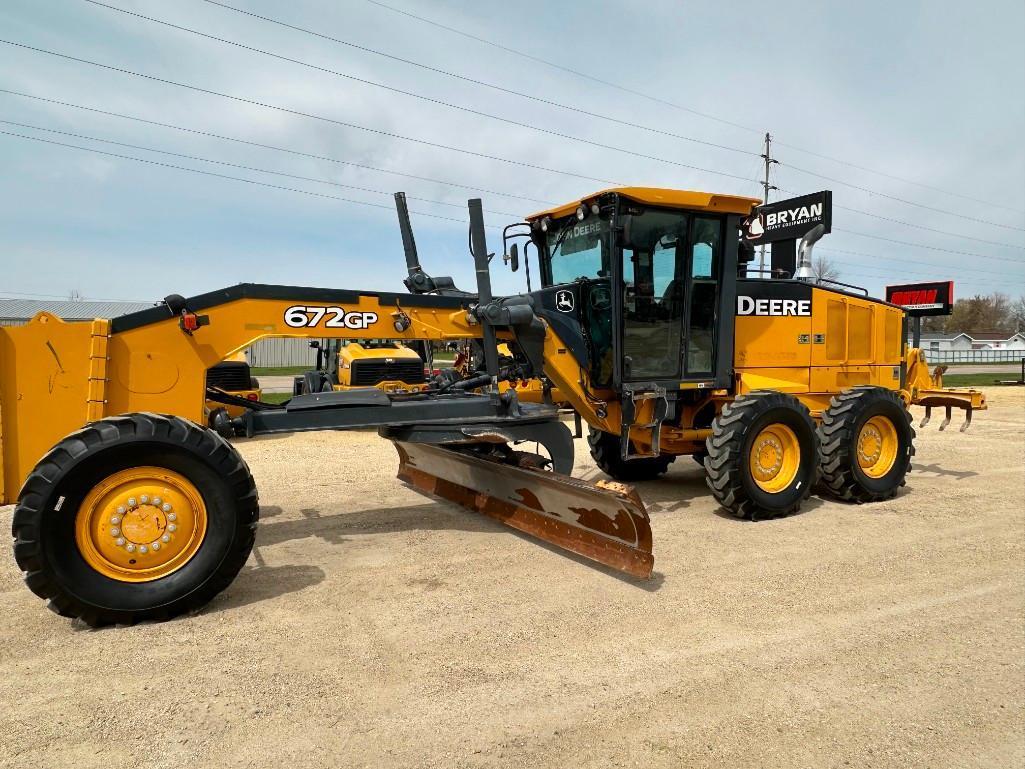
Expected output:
(923, 298)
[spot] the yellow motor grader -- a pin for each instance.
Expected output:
(342, 364)
(132, 506)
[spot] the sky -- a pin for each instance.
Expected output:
(922, 104)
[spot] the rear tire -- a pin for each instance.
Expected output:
(605, 450)
(763, 455)
(60, 539)
(867, 443)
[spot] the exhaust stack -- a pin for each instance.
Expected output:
(804, 268)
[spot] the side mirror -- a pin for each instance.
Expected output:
(514, 257)
(315, 345)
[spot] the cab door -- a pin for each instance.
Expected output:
(652, 297)
(670, 270)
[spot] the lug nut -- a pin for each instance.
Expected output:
(172, 517)
(130, 547)
(171, 527)
(120, 541)
(155, 546)
(157, 501)
(165, 539)
(115, 519)
(143, 549)
(115, 531)
(131, 502)
(143, 499)
(166, 507)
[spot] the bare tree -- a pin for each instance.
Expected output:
(75, 295)
(1018, 314)
(982, 313)
(824, 269)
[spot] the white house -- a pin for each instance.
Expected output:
(978, 346)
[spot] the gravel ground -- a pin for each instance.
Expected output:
(374, 627)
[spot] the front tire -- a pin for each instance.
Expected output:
(763, 455)
(605, 450)
(867, 444)
(135, 517)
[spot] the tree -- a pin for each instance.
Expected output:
(1018, 314)
(982, 313)
(75, 295)
(824, 269)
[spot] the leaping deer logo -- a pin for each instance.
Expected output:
(564, 301)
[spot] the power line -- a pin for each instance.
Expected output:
(244, 167)
(225, 176)
(424, 142)
(890, 277)
(931, 248)
(513, 122)
(588, 113)
(886, 273)
(902, 260)
(913, 225)
(550, 132)
(895, 198)
(674, 105)
(382, 192)
(474, 81)
(288, 150)
(899, 178)
(562, 68)
(422, 97)
(311, 115)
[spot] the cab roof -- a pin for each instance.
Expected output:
(655, 196)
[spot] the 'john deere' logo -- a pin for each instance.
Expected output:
(564, 301)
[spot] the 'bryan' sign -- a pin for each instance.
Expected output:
(923, 298)
(790, 219)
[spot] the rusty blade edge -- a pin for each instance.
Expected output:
(635, 561)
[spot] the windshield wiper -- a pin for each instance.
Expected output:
(558, 240)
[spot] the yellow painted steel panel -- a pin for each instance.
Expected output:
(773, 341)
(656, 196)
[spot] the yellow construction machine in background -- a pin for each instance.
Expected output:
(344, 364)
(234, 378)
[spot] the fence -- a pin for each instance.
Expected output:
(975, 356)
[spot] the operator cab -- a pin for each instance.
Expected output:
(665, 262)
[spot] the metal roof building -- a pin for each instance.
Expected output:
(15, 312)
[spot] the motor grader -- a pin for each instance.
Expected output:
(344, 365)
(131, 507)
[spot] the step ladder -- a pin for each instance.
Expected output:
(631, 398)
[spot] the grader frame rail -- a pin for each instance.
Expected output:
(132, 505)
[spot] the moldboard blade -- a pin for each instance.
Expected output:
(606, 522)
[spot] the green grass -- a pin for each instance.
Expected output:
(280, 370)
(978, 380)
(276, 397)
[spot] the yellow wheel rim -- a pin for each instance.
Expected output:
(775, 458)
(140, 524)
(877, 447)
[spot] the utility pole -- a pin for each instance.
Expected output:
(766, 188)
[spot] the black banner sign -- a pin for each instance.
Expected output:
(790, 219)
(923, 298)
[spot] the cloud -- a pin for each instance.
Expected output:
(918, 94)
